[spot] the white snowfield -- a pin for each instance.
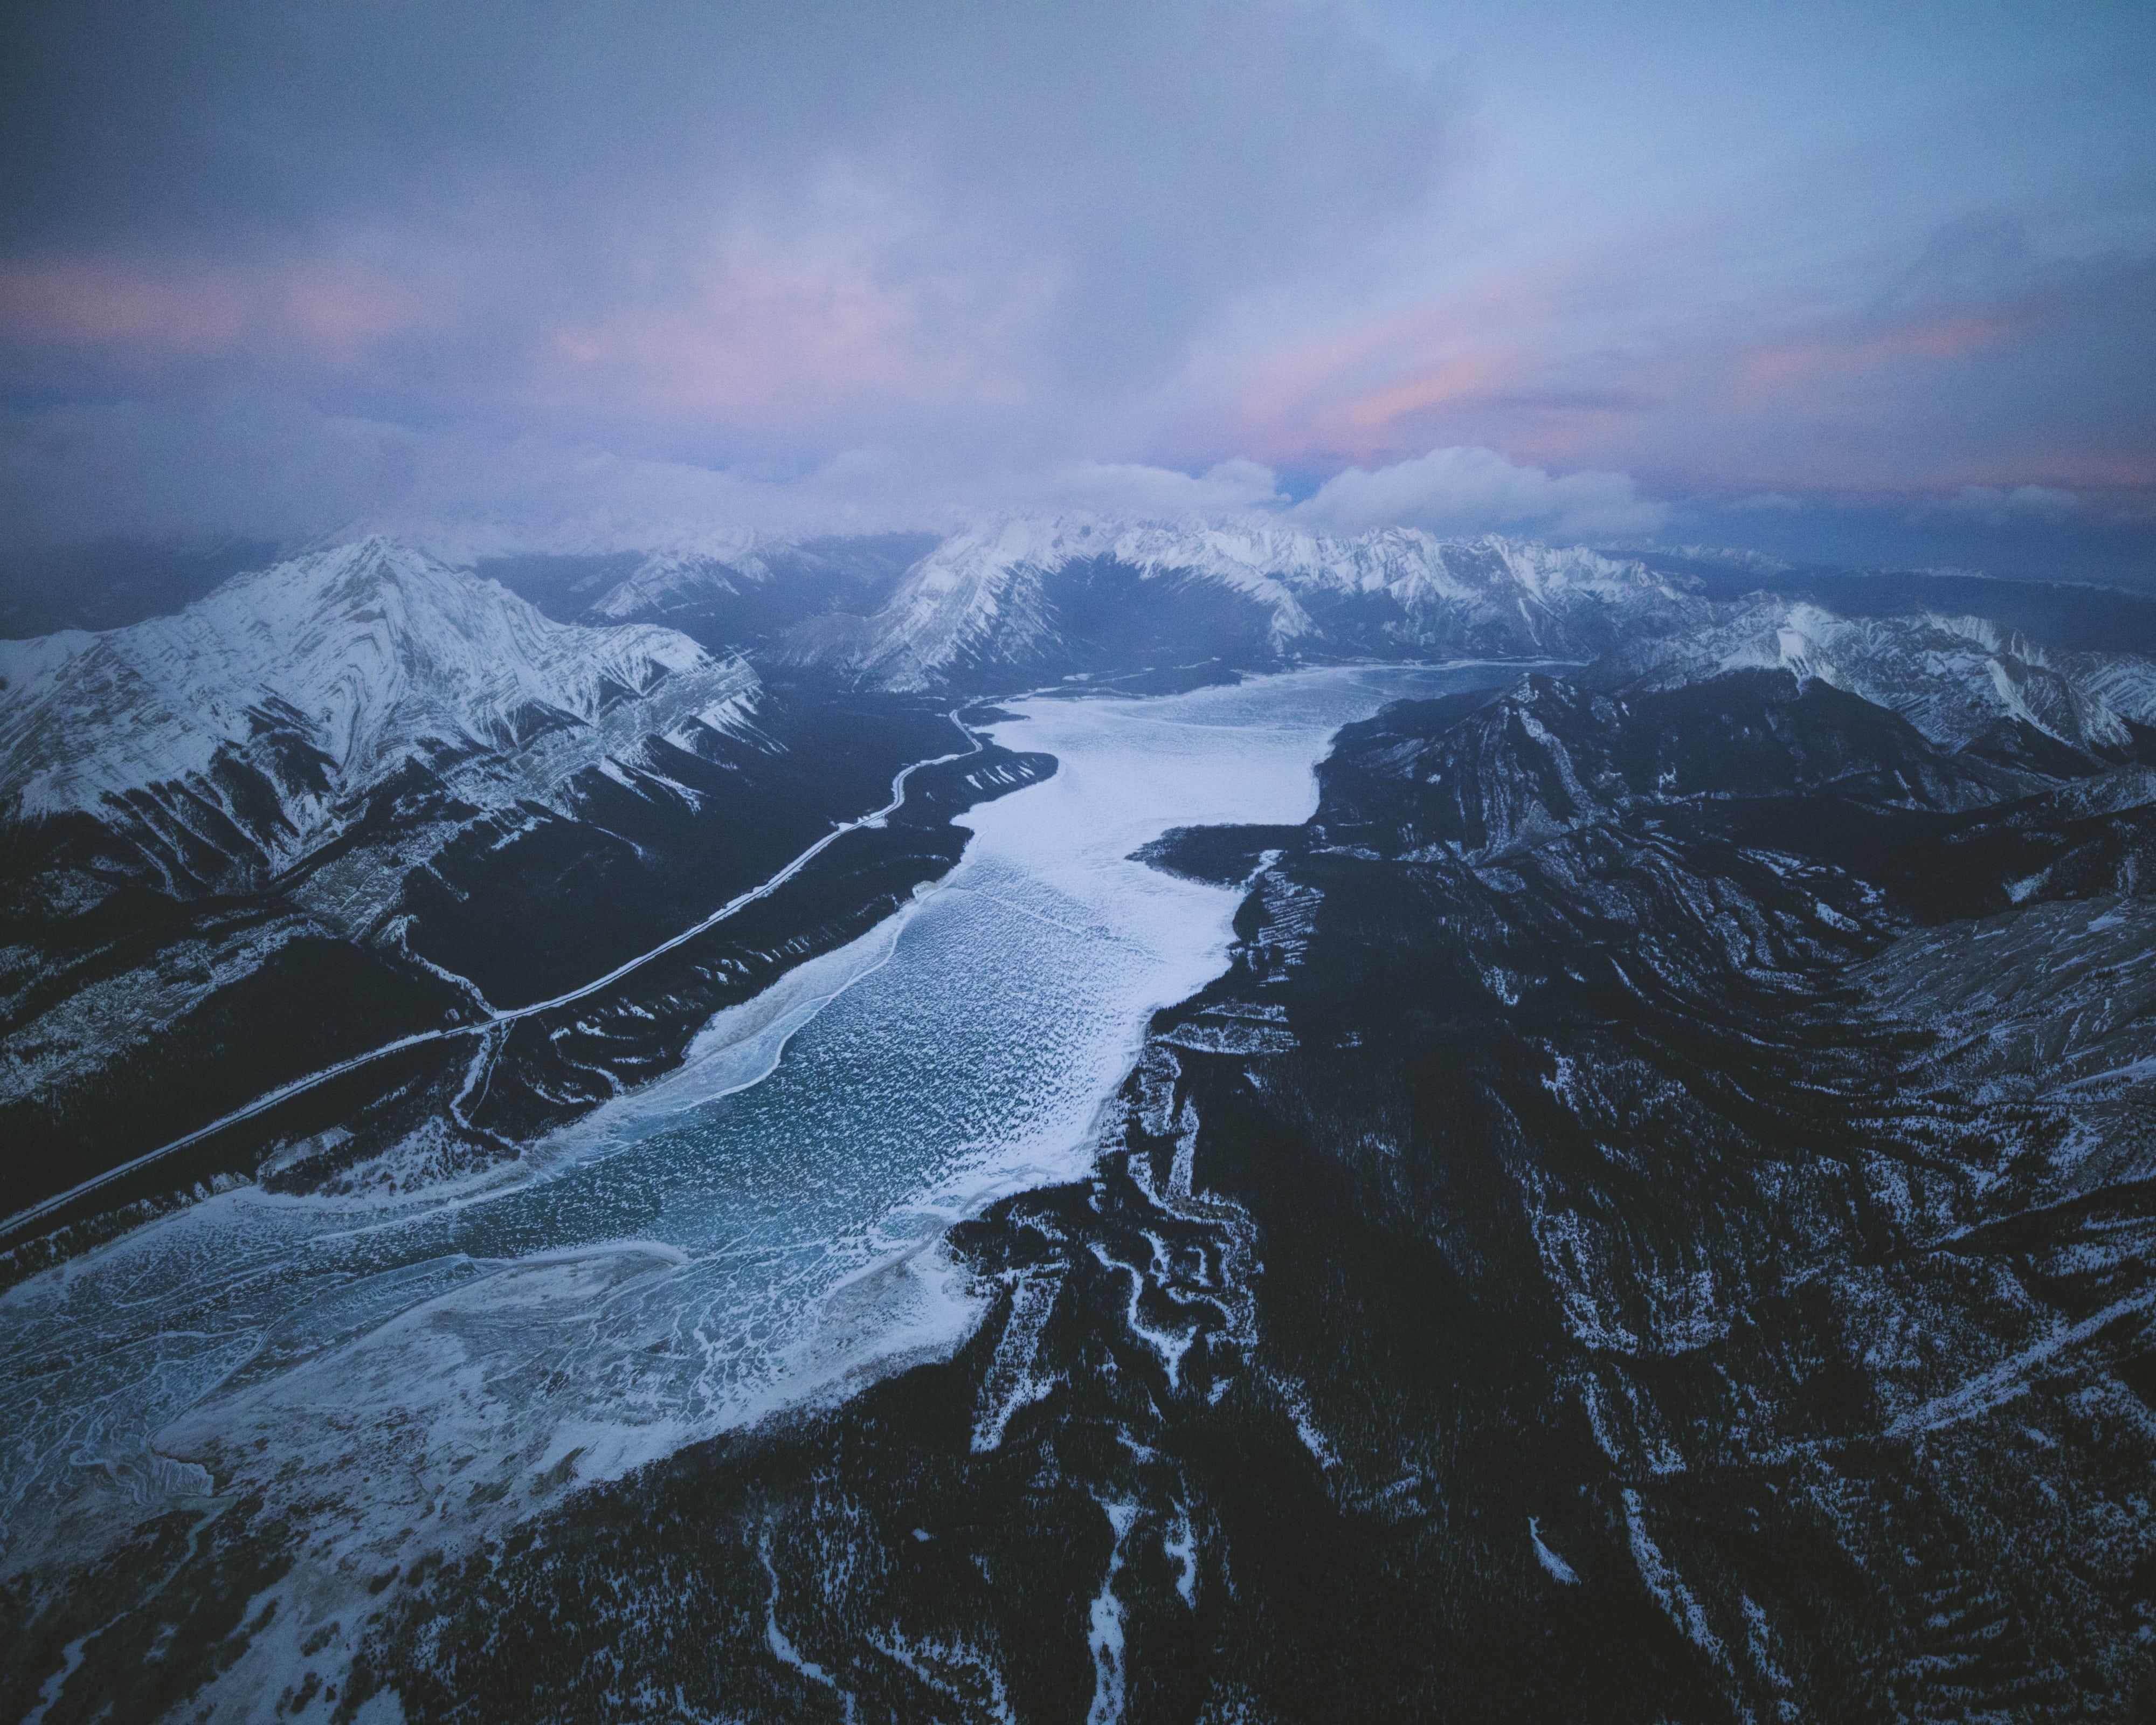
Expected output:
(1954, 678)
(373, 655)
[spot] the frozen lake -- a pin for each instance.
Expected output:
(760, 1228)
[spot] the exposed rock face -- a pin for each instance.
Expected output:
(362, 797)
(224, 742)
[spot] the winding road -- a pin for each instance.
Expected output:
(299, 1087)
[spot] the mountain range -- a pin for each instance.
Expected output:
(427, 790)
(1653, 1220)
(1028, 599)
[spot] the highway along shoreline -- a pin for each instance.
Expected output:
(925, 794)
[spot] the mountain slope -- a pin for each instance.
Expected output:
(1028, 599)
(1549, 756)
(1654, 1222)
(1956, 679)
(250, 727)
(363, 798)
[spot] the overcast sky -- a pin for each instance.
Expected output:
(1863, 281)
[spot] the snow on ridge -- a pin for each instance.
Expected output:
(1954, 678)
(374, 653)
(984, 584)
(980, 593)
(464, 540)
(328, 672)
(666, 578)
(1272, 561)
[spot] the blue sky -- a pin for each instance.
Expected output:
(1872, 283)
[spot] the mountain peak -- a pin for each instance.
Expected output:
(375, 652)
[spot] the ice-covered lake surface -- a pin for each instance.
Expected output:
(760, 1228)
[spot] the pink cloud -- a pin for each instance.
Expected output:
(1551, 366)
(1771, 367)
(758, 337)
(144, 317)
(75, 302)
(1369, 391)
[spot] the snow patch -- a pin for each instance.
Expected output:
(1559, 1570)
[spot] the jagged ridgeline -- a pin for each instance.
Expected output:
(1010, 605)
(1652, 1220)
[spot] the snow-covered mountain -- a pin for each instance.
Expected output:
(254, 723)
(345, 802)
(1549, 756)
(1030, 596)
(236, 736)
(1956, 679)
(1663, 1170)
(668, 580)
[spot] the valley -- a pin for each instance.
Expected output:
(922, 1167)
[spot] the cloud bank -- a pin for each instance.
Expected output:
(276, 469)
(746, 228)
(1580, 272)
(1472, 489)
